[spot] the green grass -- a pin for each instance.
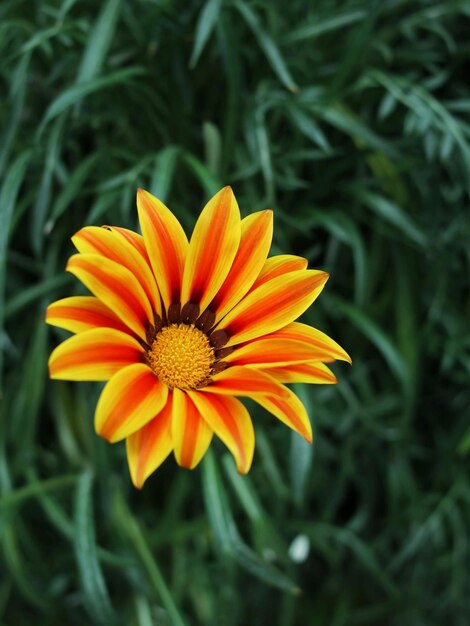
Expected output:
(351, 120)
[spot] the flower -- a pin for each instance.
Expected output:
(181, 329)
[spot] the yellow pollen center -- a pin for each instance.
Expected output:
(181, 356)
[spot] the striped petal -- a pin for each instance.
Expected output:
(190, 432)
(278, 265)
(130, 400)
(270, 351)
(296, 331)
(116, 287)
(79, 313)
(166, 245)
(113, 245)
(212, 249)
(231, 422)
(273, 305)
(290, 411)
(255, 241)
(149, 446)
(95, 354)
(312, 373)
(133, 238)
(243, 381)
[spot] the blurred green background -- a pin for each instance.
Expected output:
(351, 120)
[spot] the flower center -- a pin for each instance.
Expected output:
(181, 356)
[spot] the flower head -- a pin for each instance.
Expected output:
(181, 329)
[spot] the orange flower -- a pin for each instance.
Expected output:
(181, 329)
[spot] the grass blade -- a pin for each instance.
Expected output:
(205, 25)
(268, 46)
(94, 587)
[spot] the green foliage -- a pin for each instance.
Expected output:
(351, 120)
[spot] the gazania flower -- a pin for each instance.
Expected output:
(181, 330)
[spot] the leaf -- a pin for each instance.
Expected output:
(301, 453)
(17, 497)
(43, 199)
(163, 172)
(321, 27)
(8, 196)
(74, 94)
(268, 46)
(17, 567)
(464, 444)
(263, 147)
(41, 37)
(73, 187)
(374, 334)
(99, 41)
(205, 25)
(213, 146)
(30, 294)
(94, 587)
(210, 183)
(345, 120)
(18, 85)
(390, 212)
(309, 128)
(363, 553)
(132, 529)
(227, 535)
(26, 407)
(346, 231)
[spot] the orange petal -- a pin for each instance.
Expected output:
(243, 381)
(149, 446)
(95, 354)
(113, 245)
(273, 305)
(190, 432)
(213, 246)
(296, 331)
(132, 397)
(290, 411)
(312, 373)
(278, 265)
(117, 287)
(80, 313)
(231, 422)
(255, 241)
(133, 238)
(270, 351)
(166, 244)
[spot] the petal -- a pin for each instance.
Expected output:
(273, 305)
(213, 246)
(95, 354)
(149, 446)
(255, 241)
(278, 265)
(166, 245)
(133, 238)
(190, 432)
(312, 373)
(113, 245)
(270, 351)
(290, 411)
(80, 313)
(243, 381)
(117, 287)
(231, 422)
(297, 331)
(129, 401)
